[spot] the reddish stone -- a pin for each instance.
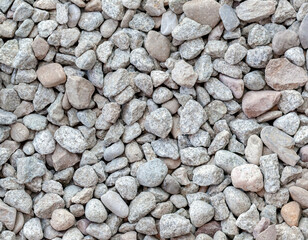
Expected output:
(209, 228)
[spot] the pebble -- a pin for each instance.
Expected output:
(254, 10)
(141, 206)
(159, 122)
(169, 21)
(173, 225)
(189, 29)
(237, 200)
(115, 204)
(95, 211)
(192, 117)
(278, 73)
(20, 200)
(280, 143)
(197, 10)
(33, 229)
(269, 166)
(61, 219)
(79, 92)
(290, 213)
(207, 175)
(247, 220)
(157, 45)
(299, 195)
(45, 206)
(228, 17)
(85, 176)
(247, 177)
(183, 74)
(302, 33)
(284, 40)
(254, 149)
(29, 168)
(200, 213)
(255, 103)
(228, 160)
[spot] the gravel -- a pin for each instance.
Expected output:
(130, 119)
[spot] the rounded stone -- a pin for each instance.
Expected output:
(19, 132)
(115, 204)
(200, 213)
(152, 173)
(51, 75)
(247, 177)
(95, 211)
(61, 219)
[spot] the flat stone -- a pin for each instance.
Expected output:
(205, 12)
(228, 160)
(248, 177)
(143, 204)
(280, 143)
(284, 40)
(254, 10)
(255, 103)
(280, 74)
(228, 17)
(249, 219)
(20, 200)
(236, 85)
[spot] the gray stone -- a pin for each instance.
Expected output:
(235, 53)
(142, 22)
(29, 168)
(259, 57)
(284, 40)
(7, 118)
(200, 213)
(192, 117)
(115, 204)
(85, 176)
(194, 156)
(228, 17)
(269, 166)
(225, 68)
(218, 90)
(44, 207)
(302, 33)
(228, 160)
(95, 211)
(244, 128)
(207, 175)
(44, 143)
(254, 80)
(152, 173)
(89, 21)
(288, 123)
(114, 9)
(159, 122)
(258, 36)
(188, 29)
(166, 148)
(249, 219)
(183, 74)
(143, 204)
(33, 229)
(173, 225)
(141, 60)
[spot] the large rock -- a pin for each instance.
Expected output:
(79, 91)
(255, 103)
(205, 12)
(255, 10)
(280, 74)
(280, 143)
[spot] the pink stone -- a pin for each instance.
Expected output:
(82, 225)
(255, 103)
(209, 228)
(280, 74)
(247, 177)
(236, 85)
(261, 226)
(268, 234)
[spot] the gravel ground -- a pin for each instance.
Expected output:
(153, 119)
